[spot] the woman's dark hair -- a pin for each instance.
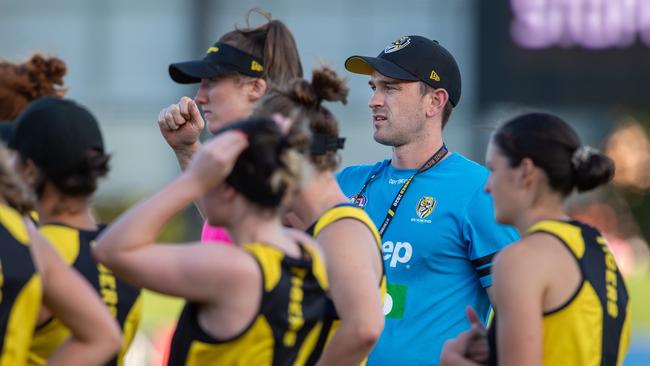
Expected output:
(271, 42)
(271, 164)
(302, 102)
(21, 83)
(80, 182)
(554, 147)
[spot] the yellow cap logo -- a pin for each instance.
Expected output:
(213, 49)
(434, 75)
(255, 66)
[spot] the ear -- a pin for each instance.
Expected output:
(528, 172)
(435, 102)
(257, 89)
(228, 193)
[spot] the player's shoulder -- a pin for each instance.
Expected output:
(467, 166)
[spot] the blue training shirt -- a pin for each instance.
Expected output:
(437, 252)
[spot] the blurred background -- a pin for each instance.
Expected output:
(586, 60)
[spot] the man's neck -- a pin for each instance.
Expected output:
(414, 154)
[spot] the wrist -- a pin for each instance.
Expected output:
(187, 150)
(185, 153)
(192, 185)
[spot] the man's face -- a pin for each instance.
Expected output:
(397, 110)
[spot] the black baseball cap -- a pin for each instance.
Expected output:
(413, 58)
(56, 134)
(220, 59)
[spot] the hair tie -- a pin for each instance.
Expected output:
(582, 155)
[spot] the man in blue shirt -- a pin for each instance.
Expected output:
(437, 223)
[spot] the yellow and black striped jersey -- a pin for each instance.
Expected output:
(123, 300)
(593, 326)
(286, 329)
(336, 213)
(20, 289)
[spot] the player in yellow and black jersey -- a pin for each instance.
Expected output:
(292, 286)
(593, 326)
(345, 211)
(258, 302)
(347, 236)
(32, 274)
(123, 300)
(61, 155)
(558, 295)
(20, 288)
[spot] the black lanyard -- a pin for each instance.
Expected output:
(433, 160)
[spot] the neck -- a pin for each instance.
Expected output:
(268, 229)
(415, 153)
(73, 212)
(551, 211)
(318, 196)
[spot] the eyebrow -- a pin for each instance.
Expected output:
(384, 82)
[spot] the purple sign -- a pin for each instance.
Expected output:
(591, 24)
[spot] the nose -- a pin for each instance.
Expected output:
(488, 185)
(376, 101)
(201, 96)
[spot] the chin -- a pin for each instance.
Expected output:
(502, 218)
(214, 126)
(383, 140)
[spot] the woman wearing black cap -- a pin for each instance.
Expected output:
(31, 274)
(258, 302)
(559, 298)
(234, 74)
(61, 156)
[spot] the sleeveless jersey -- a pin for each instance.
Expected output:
(286, 328)
(20, 289)
(593, 326)
(340, 212)
(123, 300)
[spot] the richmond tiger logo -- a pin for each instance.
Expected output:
(425, 206)
(398, 45)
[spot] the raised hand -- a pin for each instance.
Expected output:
(181, 125)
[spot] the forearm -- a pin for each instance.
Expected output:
(140, 225)
(350, 344)
(77, 352)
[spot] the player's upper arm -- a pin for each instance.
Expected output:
(196, 272)
(519, 285)
(351, 252)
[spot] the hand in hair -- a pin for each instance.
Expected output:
(181, 125)
(215, 160)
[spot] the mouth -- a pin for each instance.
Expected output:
(378, 118)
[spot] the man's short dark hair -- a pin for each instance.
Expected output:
(446, 113)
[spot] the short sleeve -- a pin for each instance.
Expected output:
(484, 236)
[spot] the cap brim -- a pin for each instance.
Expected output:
(7, 131)
(366, 65)
(192, 72)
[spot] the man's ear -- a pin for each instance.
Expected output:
(435, 102)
